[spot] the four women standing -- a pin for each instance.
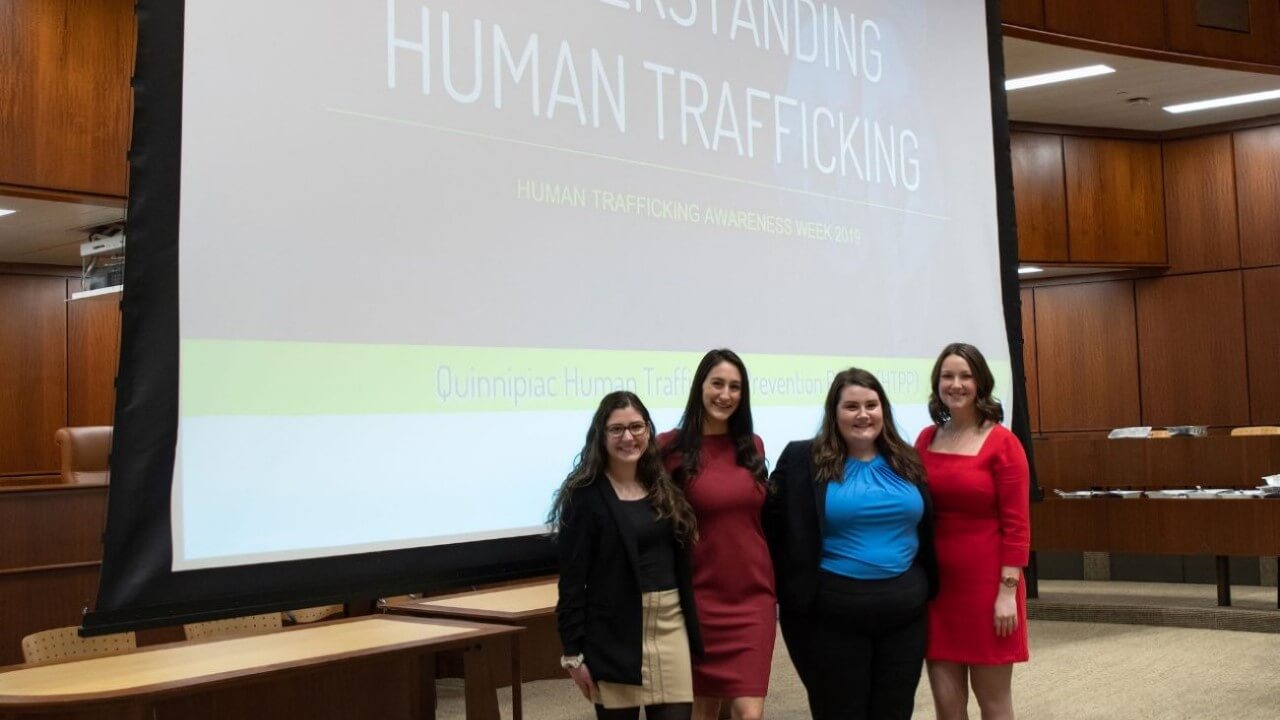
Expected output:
(850, 533)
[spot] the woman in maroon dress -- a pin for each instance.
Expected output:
(719, 461)
(978, 474)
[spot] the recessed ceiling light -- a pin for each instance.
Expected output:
(6, 211)
(1029, 270)
(1223, 102)
(1055, 77)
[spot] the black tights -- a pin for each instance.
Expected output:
(666, 711)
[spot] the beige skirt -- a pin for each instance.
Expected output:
(666, 672)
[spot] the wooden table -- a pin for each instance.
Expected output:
(531, 606)
(360, 667)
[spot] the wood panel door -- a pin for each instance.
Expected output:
(93, 339)
(1087, 356)
(1039, 197)
(1133, 22)
(33, 372)
(1258, 187)
(1262, 335)
(1027, 13)
(1191, 348)
(1115, 201)
(64, 121)
(1260, 44)
(1200, 204)
(1027, 296)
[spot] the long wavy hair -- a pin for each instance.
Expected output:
(593, 460)
(829, 448)
(687, 442)
(988, 407)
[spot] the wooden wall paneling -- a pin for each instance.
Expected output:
(1191, 350)
(1261, 44)
(1027, 13)
(31, 601)
(51, 525)
(1261, 456)
(1135, 22)
(1262, 339)
(65, 121)
(1122, 463)
(33, 372)
(1200, 204)
(1216, 461)
(1039, 196)
(93, 342)
(1032, 389)
(1115, 200)
(1087, 354)
(1258, 187)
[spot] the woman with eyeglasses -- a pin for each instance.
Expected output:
(850, 527)
(626, 611)
(716, 458)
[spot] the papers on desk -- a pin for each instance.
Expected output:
(1085, 494)
(1267, 490)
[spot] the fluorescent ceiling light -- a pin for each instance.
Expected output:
(5, 211)
(1055, 77)
(1223, 102)
(1029, 270)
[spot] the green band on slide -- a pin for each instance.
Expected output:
(233, 377)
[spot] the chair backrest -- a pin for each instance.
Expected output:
(84, 452)
(65, 643)
(1255, 430)
(312, 614)
(234, 627)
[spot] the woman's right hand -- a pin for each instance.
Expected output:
(582, 678)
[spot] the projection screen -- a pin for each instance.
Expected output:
(385, 258)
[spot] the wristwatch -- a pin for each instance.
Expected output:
(1010, 581)
(569, 662)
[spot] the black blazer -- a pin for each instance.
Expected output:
(599, 612)
(793, 521)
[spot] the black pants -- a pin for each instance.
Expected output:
(860, 649)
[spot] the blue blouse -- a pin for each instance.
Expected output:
(871, 519)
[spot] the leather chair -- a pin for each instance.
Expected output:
(84, 453)
(65, 643)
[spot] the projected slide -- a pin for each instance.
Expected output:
(420, 239)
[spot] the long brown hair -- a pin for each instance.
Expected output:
(829, 449)
(988, 407)
(591, 462)
(687, 442)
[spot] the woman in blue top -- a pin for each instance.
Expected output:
(849, 523)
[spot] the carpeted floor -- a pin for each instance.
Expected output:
(1078, 671)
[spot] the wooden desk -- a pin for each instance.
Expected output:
(361, 667)
(531, 606)
(1249, 527)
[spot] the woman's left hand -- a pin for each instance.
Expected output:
(1006, 615)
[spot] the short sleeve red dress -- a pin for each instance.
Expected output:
(981, 508)
(732, 573)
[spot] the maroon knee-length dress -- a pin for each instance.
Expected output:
(980, 524)
(732, 573)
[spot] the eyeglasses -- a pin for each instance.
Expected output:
(637, 429)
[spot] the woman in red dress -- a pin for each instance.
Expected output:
(978, 473)
(715, 456)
